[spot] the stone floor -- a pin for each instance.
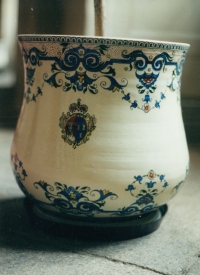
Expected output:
(174, 249)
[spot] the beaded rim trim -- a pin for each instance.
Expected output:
(104, 41)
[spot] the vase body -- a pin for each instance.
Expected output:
(100, 131)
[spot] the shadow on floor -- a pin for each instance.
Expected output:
(21, 229)
(18, 230)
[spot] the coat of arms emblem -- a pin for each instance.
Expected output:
(77, 125)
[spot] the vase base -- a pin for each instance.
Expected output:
(104, 229)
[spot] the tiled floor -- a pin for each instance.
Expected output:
(174, 249)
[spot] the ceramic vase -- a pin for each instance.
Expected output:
(100, 133)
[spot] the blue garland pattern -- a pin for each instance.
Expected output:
(77, 200)
(75, 64)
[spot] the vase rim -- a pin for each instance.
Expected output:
(101, 39)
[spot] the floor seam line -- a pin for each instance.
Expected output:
(125, 263)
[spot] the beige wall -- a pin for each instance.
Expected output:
(171, 20)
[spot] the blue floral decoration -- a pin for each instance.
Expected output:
(30, 75)
(81, 68)
(147, 98)
(138, 178)
(145, 198)
(150, 184)
(20, 173)
(75, 199)
(84, 201)
(157, 104)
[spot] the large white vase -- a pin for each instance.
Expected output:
(100, 133)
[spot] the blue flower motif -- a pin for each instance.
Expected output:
(146, 199)
(157, 104)
(39, 90)
(71, 194)
(34, 98)
(162, 96)
(150, 184)
(29, 76)
(138, 178)
(126, 97)
(130, 187)
(134, 104)
(162, 177)
(165, 184)
(146, 98)
(24, 173)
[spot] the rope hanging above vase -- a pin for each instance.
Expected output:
(99, 17)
